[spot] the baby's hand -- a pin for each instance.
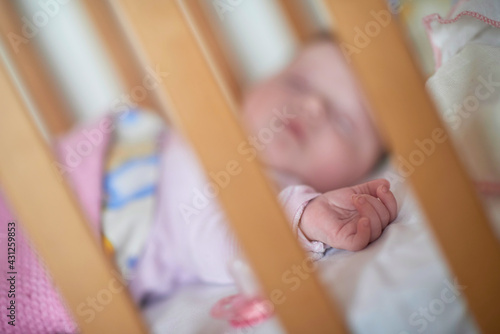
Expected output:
(350, 218)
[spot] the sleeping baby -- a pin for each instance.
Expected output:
(324, 142)
(329, 142)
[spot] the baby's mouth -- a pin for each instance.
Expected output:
(296, 129)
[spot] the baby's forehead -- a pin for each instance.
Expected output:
(312, 58)
(264, 92)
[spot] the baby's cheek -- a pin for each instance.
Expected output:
(370, 151)
(336, 166)
(279, 153)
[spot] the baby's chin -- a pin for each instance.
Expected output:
(346, 174)
(324, 183)
(320, 181)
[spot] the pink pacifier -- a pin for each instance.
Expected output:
(246, 308)
(242, 311)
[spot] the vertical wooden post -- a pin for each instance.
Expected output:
(396, 91)
(199, 108)
(204, 28)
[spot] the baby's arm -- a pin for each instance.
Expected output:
(212, 245)
(334, 219)
(350, 218)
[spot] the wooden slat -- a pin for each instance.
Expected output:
(395, 89)
(33, 72)
(125, 57)
(199, 108)
(296, 12)
(50, 215)
(206, 31)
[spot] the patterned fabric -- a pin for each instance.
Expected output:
(130, 183)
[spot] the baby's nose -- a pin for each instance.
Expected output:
(314, 108)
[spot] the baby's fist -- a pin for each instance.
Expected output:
(350, 218)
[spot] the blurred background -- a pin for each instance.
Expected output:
(75, 54)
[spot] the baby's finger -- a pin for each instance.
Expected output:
(366, 209)
(383, 213)
(387, 197)
(361, 238)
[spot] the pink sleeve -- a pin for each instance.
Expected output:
(294, 200)
(206, 244)
(212, 247)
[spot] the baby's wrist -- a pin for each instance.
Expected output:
(307, 220)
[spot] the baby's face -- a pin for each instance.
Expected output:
(327, 137)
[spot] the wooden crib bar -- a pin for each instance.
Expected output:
(54, 223)
(208, 33)
(199, 108)
(396, 91)
(40, 85)
(295, 11)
